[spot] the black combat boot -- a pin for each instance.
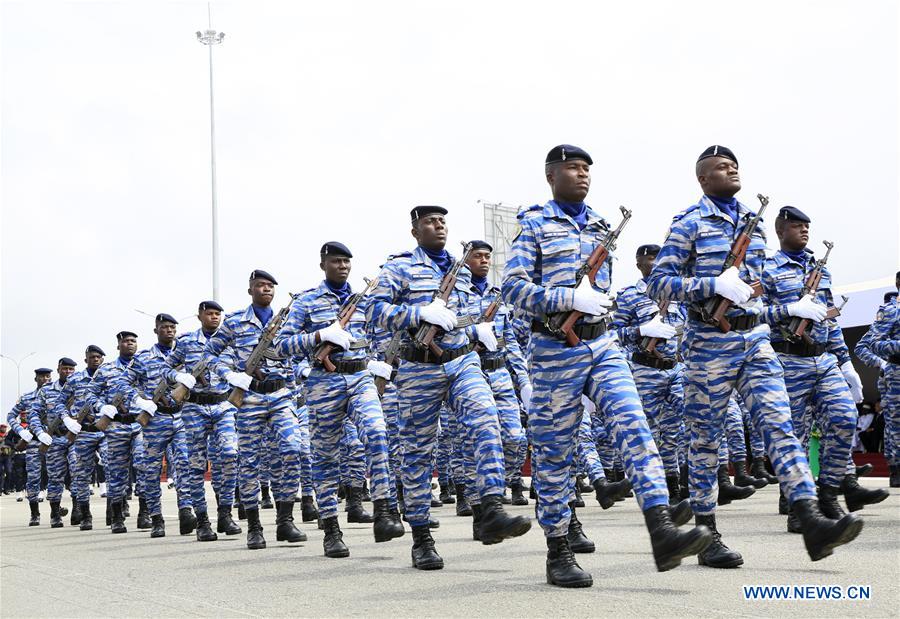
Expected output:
(716, 553)
(204, 529)
(608, 493)
(308, 511)
(579, 501)
(225, 523)
(518, 493)
(75, 518)
(741, 478)
(505, 500)
(354, 508)
(118, 518)
(784, 507)
(578, 541)
(828, 502)
(126, 509)
(683, 484)
(55, 519)
(895, 476)
(671, 545)
(108, 511)
(255, 539)
(674, 489)
(758, 470)
(858, 497)
(143, 518)
(821, 535)
(365, 495)
(476, 522)
(87, 520)
(532, 491)
(242, 514)
(286, 530)
(424, 555)
(562, 569)
(864, 470)
(728, 492)
(187, 522)
(497, 525)
(445, 496)
(681, 513)
(621, 476)
(159, 526)
(387, 526)
(35, 520)
(462, 505)
(433, 523)
(266, 501)
(401, 505)
(333, 542)
(793, 522)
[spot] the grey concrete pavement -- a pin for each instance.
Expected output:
(65, 572)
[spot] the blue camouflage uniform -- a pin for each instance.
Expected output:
(89, 440)
(43, 417)
(410, 280)
(34, 459)
(812, 368)
(207, 418)
(880, 347)
(716, 363)
(301, 371)
(539, 279)
(379, 340)
(267, 407)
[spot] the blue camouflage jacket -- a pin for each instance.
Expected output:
(504, 332)
(882, 341)
(188, 352)
(634, 308)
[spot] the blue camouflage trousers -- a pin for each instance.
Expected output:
(205, 424)
(817, 383)
(86, 445)
(560, 375)
(515, 443)
(733, 446)
(586, 454)
(662, 397)
(390, 407)
(352, 456)
(338, 405)
(715, 366)
(261, 418)
(160, 433)
(34, 462)
(306, 481)
(443, 453)
(889, 388)
(57, 458)
(124, 444)
(423, 388)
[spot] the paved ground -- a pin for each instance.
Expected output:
(66, 572)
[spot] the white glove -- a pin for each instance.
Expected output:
(588, 405)
(145, 405)
(525, 393)
(485, 333)
(45, 438)
(730, 285)
(380, 368)
(436, 313)
(852, 378)
(657, 328)
(25, 435)
(108, 410)
(239, 380)
(590, 301)
(305, 371)
(336, 334)
(806, 307)
(186, 379)
(71, 425)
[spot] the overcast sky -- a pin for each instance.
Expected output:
(335, 118)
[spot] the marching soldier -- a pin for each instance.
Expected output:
(33, 457)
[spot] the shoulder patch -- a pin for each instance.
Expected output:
(517, 232)
(880, 315)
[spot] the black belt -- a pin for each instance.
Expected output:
(89, 427)
(417, 355)
(799, 349)
(125, 417)
(489, 364)
(351, 366)
(585, 330)
(167, 410)
(741, 322)
(267, 386)
(652, 361)
(894, 359)
(207, 398)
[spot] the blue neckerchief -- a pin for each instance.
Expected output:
(727, 206)
(207, 335)
(480, 283)
(263, 313)
(343, 291)
(575, 210)
(799, 256)
(90, 372)
(125, 360)
(164, 351)
(441, 258)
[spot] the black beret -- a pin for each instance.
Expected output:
(717, 151)
(333, 248)
(40, 371)
(481, 245)
(67, 362)
(163, 317)
(647, 250)
(121, 335)
(564, 152)
(421, 211)
(889, 296)
(792, 213)
(260, 274)
(94, 348)
(205, 305)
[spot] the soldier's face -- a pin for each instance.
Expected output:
(262, 291)
(165, 333)
(479, 262)
(64, 371)
(128, 346)
(794, 235)
(719, 177)
(93, 360)
(645, 264)
(210, 319)
(570, 180)
(337, 268)
(41, 379)
(431, 232)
